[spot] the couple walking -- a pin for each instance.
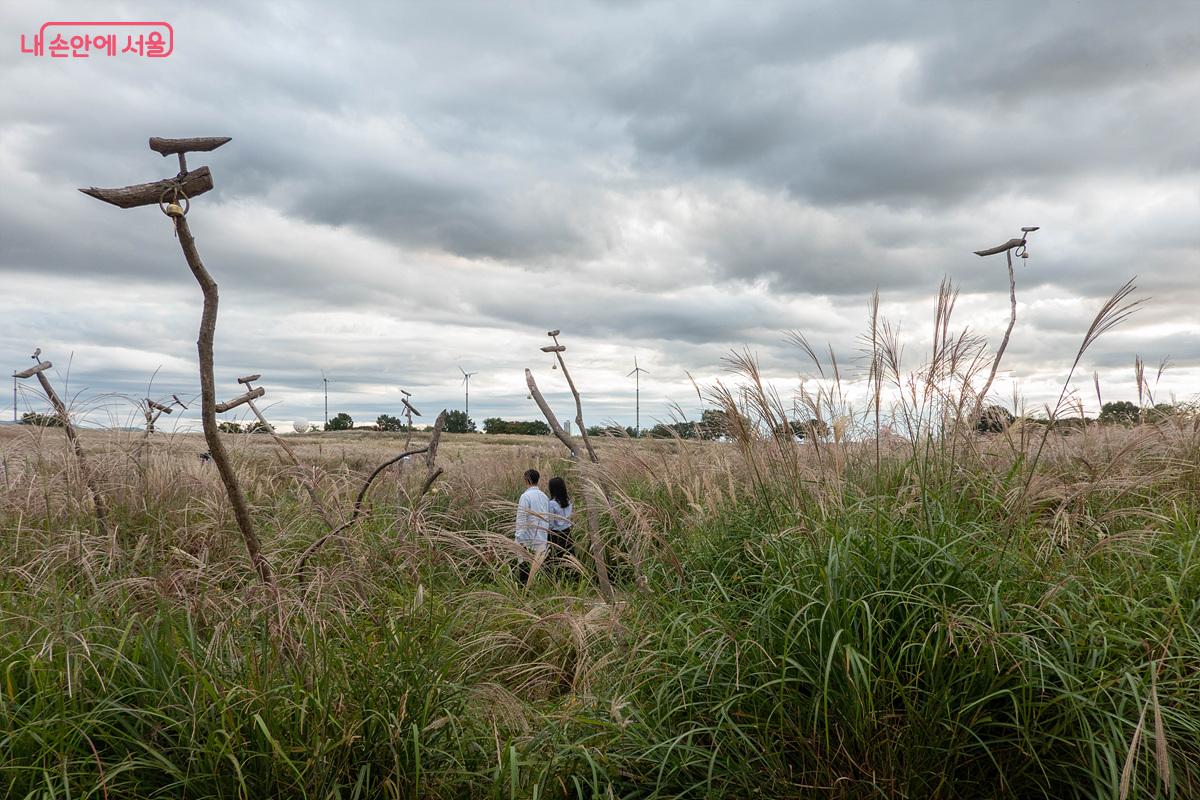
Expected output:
(543, 522)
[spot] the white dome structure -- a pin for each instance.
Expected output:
(301, 426)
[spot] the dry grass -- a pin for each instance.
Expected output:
(926, 612)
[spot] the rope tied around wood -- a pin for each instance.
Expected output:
(173, 209)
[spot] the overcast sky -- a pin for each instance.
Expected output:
(415, 186)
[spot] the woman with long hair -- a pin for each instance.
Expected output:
(560, 519)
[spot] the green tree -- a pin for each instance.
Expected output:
(386, 422)
(459, 422)
(259, 427)
(1120, 412)
(815, 429)
(229, 427)
(611, 430)
(994, 419)
(791, 429)
(684, 430)
(714, 424)
(44, 420)
(523, 427)
(1160, 413)
(340, 422)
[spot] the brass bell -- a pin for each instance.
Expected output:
(1025, 254)
(174, 210)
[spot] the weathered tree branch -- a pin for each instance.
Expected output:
(192, 184)
(409, 412)
(208, 404)
(548, 413)
(431, 467)
(1012, 321)
(221, 408)
(1000, 248)
(1007, 249)
(197, 144)
(362, 494)
(558, 350)
(72, 435)
(37, 368)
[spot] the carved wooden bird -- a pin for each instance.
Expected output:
(1010, 244)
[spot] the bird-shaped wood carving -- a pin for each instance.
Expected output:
(1009, 245)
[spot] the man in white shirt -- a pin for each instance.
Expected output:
(533, 526)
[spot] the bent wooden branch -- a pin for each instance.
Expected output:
(548, 413)
(362, 494)
(72, 435)
(208, 404)
(558, 351)
(432, 470)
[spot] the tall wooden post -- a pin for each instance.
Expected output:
(173, 196)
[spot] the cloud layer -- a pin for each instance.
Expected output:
(412, 188)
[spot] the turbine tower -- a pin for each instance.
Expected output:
(466, 381)
(636, 372)
(325, 380)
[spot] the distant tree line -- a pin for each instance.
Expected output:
(611, 430)
(249, 427)
(44, 420)
(996, 419)
(523, 427)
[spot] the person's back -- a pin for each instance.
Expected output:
(533, 526)
(533, 513)
(560, 520)
(560, 506)
(560, 515)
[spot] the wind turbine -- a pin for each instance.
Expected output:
(467, 389)
(636, 372)
(325, 380)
